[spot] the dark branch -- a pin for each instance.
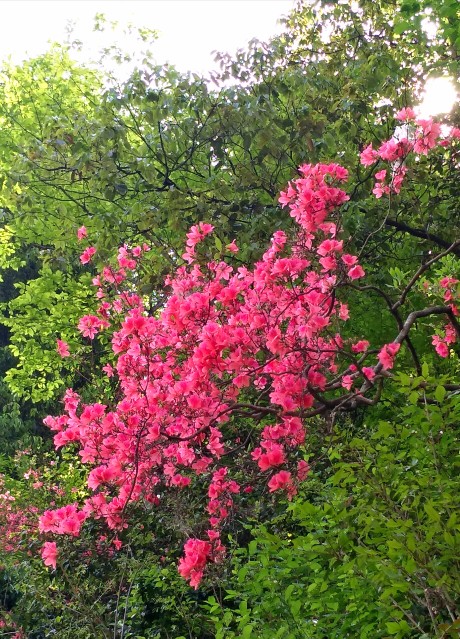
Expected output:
(401, 226)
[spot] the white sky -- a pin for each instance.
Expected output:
(189, 29)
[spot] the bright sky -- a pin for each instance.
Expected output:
(189, 29)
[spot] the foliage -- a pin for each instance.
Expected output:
(370, 548)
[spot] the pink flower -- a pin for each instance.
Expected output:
(356, 272)
(82, 232)
(108, 370)
(47, 521)
(381, 175)
(49, 554)
(387, 355)
(344, 313)
(282, 481)
(389, 150)
(124, 259)
(360, 346)
(369, 156)
(440, 346)
(302, 470)
(192, 565)
(62, 348)
(273, 457)
(369, 373)
(405, 114)
(427, 137)
(87, 254)
(380, 190)
(90, 325)
(447, 281)
(205, 228)
(232, 247)
(329, 246)
(349, 260)
(398, 179)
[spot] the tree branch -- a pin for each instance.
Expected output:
(420, 271)
(401, 226)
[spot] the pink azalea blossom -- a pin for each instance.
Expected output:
(344, 313)
(387, 355)
(428, 135)
(440, 346)
(108, 370)
(232, 247)
(369, 156)
(405, 114)
(192, 565)
(82, 232)
(50, 554)
(448, 281)
(368, 373)
(87, 254)
(356, 272)
(349, 260)
(62, 348)
(360, 347)
(380, 190)
(303, 469)
(90, 325)
(282, 481)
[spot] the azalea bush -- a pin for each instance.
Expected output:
(216, 389)
(209, 392)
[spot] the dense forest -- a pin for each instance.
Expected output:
(229, 338)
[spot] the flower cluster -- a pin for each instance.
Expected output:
(225, 338)
(15, 522)
(416, 136)
(238, 359)
(447, 336)
(9, 628)
(63, 521)
(197, 554)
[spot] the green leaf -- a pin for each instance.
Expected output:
(246, 633)
(402, 27)
(440, 393)
(431, 512)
